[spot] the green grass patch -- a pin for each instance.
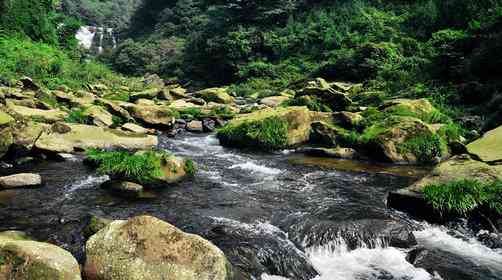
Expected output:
(141, 167)
(426, 147)
(312, 102)
(464, 196)
(270, 134)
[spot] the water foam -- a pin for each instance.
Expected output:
(88, 182)
(336, 261)
(470, 248)
(85, 36)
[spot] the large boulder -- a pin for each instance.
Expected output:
(38, 114)
(404, 140)
(99, 116)
(117, 108)
(489, 147)
(82, 137)
(150, 93)
(320, 89)
(23, 259)
(20, 180)
(78, 99)
(154, 115)
(218, 95)
(268, 129)
(462, 167)
(145, 247)
(418, 108)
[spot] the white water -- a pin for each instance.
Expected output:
(256, 168)
(87, 182)
(470, 248)
(85, 36)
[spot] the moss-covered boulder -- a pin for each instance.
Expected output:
(151, 168)
(146, 94)
(268, 129)
(489, 147)
(82, 137)
(404, 140)
(115, 108)
(418, 108)
(458, 168)
(23, 259)
(79, 98)
(322, 91)
(145, 247)
(99, 116)
(218, 95)
(327, 134)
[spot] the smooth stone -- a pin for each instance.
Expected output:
(20, 180)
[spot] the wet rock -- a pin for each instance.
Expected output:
(273, 101)
(181, 124)
(23, 259)
(124, 189)
(6, 140)
(218, 95)
(488, 148)
(343, 153)
(162, 251)
(83, 137)
(446, 264)
(325, 134)
(20, 180)
(24, 160)
(490, 239)
(195, 126)
(208, 125)
(288, 126)
(347, 120)
(260, 248)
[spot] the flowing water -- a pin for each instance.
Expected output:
(276, 216)
(96, 39)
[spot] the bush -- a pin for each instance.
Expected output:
(465, 196)
(77, 116)
(426, 147)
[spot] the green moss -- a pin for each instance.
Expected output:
(312, 102)
(5, 118)
(270, 133)
(141, 167)
(78, 115)
(426, 147)
(190, 167)
(465, 196)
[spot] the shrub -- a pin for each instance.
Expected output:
(77, 116)
(312, 102)
(464, 196)
(426, 147)
(190, 167)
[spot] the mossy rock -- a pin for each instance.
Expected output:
(327, 134)
(418, 108)
(100, 117)
(324, 94)
(82, 137)
(147, 94)
(162, 252)
(268, 129)
(23, 259)
(48, 116)
(218, 95)
(489, 147)
(154, 115)
(6, 140)
(404, 140)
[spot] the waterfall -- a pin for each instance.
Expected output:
(96, 39)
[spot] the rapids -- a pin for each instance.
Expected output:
(276, 216)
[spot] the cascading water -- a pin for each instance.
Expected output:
(96, 39)
(275, 216)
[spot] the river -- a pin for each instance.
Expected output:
(276, 216)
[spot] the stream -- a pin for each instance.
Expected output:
(276, 216)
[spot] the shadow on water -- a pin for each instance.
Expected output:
(272, 214)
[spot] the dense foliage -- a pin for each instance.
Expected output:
(442, 50)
